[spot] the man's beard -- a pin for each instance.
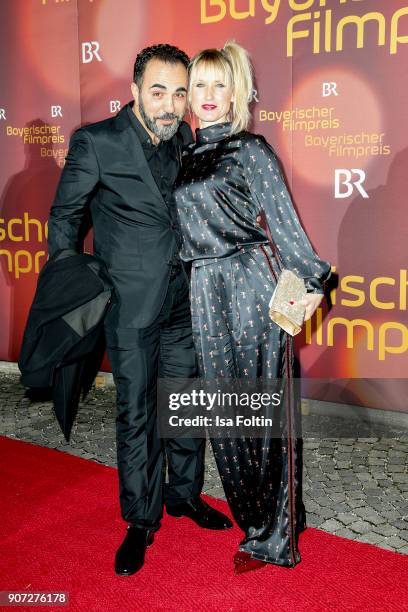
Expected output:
(163, 132)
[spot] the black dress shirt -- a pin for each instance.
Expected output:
(164, 165)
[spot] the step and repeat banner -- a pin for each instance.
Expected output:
(331, 97)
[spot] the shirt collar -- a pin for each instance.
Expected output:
(213, 133)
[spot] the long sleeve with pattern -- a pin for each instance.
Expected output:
(268, 186)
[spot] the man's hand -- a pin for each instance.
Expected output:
(311, 301)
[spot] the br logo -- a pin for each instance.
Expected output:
(329, 89)
(90, 51)
(344, 178)
(114, 106)
(56, 111)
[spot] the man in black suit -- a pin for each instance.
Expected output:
(118, 176)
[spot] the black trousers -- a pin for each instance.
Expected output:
(164, 349)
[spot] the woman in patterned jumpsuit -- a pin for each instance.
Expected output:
(228, 178)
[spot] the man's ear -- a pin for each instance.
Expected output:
(135, 92)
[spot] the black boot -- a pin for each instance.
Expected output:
(201, 513)
(130, 555)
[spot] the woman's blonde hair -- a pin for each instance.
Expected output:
(233, 61)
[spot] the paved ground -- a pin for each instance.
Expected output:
(355, 487)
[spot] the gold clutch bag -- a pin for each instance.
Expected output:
(284, 307)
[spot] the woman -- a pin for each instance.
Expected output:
(228, 178)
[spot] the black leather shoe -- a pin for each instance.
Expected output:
(131, 553)
(201, 513)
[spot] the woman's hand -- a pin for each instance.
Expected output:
(311, 301)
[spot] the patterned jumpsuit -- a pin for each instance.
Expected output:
(226, 181)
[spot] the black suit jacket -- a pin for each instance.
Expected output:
(107, 182)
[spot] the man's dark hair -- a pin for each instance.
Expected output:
(165, 53)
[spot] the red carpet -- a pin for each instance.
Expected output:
(61, 526)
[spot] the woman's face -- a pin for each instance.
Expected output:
(210, 95)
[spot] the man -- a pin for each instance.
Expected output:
(120, 173)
